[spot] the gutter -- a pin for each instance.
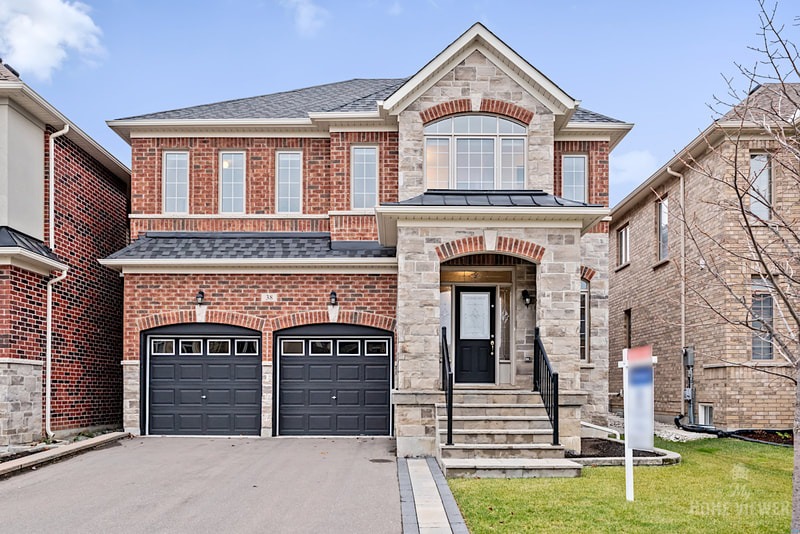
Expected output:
(683, 277)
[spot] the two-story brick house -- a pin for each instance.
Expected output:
(680, 262)
(296, 255)
(60, 311)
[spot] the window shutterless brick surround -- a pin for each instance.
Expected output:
(597, 168)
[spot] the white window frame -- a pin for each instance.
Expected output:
(586, 304)
(311, 344)
(762, 287)
(662, 215)
(624, 245)
(769, 193)
(278, 181)
(180, 347)
(302, 344)
(210, 341)
(164, 155)
(377, 149)
(153, 350)
(498, 156)
(237, 352)
(385, 343)
(702, 414)
(356, 341)
(222, 154)
(585, 159)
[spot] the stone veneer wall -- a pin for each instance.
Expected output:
(20, 401)
(475, 78)
(594, 372)
(557, 305)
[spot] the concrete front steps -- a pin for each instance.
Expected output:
(500, 434)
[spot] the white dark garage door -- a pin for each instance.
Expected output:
(333, 380)
(204, 383)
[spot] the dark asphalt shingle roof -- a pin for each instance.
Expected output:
(360, 94)
(12, 238)
(352, 95)
(507, 199)
(247, 245)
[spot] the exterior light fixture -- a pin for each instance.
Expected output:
(199, 297)
(334, 300)
(526, 297)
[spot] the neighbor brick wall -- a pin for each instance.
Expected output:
(152, 294)
(91, 223)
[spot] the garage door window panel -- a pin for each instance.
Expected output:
(246, 347)
(348, 347)
(162, 347)
(321, 348)
(292, 347)
(219, 347)
(191, 347)
(377, 348)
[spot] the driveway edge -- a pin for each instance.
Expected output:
(50, 455)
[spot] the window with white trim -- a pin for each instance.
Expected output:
(573, 177)
(290, 191)
(623, 245)
(364, 164)
(176, 182)
(761, 318)
(231, 182)
(662, 228)
(760, 186)
(705, 414)
(481, 152)
(585, 320)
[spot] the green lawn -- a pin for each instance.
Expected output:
(721, 485)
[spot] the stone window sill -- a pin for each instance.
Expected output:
(624, 265)
(661, 264)
(587, 365)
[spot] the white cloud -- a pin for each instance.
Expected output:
(629, 169)
(309, 18)
(37, 35)
(395, 9)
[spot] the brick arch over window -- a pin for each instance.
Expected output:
(488, 105)
(189, 316)
(505, 245)
(587, 273)
(345, 317)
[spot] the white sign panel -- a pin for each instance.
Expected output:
(474, 316)
(637, 382)
(269, 297)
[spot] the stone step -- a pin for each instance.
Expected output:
(495, 396)
(496, 450)
(492, 409)
(498, 436)
(497, 422)
(510, 468)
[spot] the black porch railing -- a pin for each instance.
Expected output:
(447, 385)
(545, 381)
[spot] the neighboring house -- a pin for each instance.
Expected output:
(654, 252)
(330, 232)
(49, 245)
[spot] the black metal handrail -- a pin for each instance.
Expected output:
(545, 381)
(447, 385)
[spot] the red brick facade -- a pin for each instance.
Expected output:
(91, 207)
(367, 299)
(597, 162)
(505, 245)
(22, 314)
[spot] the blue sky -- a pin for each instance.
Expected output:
(656, 64)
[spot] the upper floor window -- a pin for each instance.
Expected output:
(475, 152)
(231, 182)
(760, 186)
(573, 177)
(662, 228)
(623, 245)
(290, 191)
(365, 177)
(761, 318)
(176, 182)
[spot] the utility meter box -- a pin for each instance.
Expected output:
(688, 394)
(688, 356)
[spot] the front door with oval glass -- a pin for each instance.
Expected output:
(475, 335)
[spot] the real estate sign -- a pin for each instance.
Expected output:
(637, 382)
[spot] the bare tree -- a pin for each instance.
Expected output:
(743, 235)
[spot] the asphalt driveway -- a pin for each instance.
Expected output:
(212, 485)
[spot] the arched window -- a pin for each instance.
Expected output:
(475, 152)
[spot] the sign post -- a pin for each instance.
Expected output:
(637, 383)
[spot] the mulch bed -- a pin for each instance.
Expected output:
(603, 448)
(784, 437)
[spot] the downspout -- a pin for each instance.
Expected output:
(53, 281)
(683, 282)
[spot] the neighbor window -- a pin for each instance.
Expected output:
(761, 318)
(289, 182)
(706, 415)
(176, 182)
(585, 320)
(365, 177)
(760, 186)
(573, 178)
(662, 228)
(475, 152)
(623, 245)
(231, 182)
(627, 324)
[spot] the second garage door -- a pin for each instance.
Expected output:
(335, 384)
